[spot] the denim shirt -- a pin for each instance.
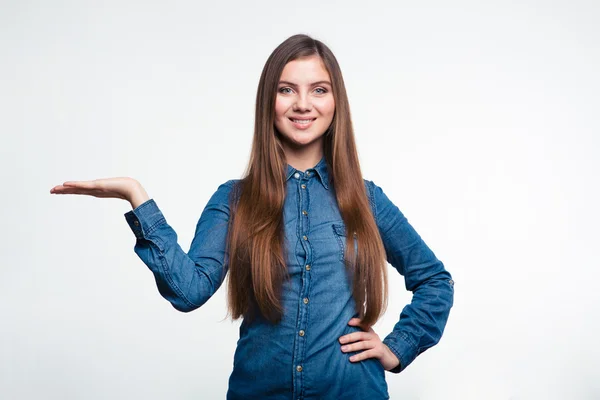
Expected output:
(300, 357)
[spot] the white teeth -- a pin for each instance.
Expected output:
(302, 121)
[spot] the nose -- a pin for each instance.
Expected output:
(303, 103)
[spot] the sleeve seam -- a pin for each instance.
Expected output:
(154, 226)
(409, 340)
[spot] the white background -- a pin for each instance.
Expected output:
(479, 120)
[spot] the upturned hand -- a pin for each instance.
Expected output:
(120, 188)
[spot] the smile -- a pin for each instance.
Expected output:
(302, 123)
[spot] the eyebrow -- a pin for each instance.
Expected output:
(312, 84)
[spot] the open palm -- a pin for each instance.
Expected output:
(120, 188)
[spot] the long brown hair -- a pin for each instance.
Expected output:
(257, 266)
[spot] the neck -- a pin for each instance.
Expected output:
(305, 157)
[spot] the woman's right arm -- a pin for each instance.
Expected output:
(187, 281)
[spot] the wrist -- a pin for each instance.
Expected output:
(137, 195)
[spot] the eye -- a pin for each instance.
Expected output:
(283, 88)
(323, 90)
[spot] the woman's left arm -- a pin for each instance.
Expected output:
(422, 321)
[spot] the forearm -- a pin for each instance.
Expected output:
(179, 279)
(422, 322)
(185, 283)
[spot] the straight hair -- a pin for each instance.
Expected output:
(257, 267)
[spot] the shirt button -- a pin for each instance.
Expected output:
(296, 175)
(305, 300)
(136, 223)
(304, 212)
(308, 267)
(303, 186)
(307, 173)
(304, 237)
(299, 368)
(301, 333)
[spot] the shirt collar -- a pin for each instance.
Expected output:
(321, 170)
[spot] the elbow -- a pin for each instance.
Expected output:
(451, 284)
(440, 281)
(184, 307)
(184, 302)
(180, 302)
(444, 285)
(438, 291)
(447, 283)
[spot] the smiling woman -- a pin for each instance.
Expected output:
(304, 239)
(304, 107)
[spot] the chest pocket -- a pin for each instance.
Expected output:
(339, 231)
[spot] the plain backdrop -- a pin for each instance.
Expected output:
(478, 119)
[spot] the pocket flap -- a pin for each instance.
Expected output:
(339, 229)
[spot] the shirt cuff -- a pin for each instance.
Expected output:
(402, 348)
(144, 219)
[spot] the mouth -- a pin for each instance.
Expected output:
(302, 123)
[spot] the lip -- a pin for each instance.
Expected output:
(302, 126)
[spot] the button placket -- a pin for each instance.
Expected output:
(301, 323)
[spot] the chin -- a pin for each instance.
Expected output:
(299, 139)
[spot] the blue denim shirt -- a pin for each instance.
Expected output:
(300, 358)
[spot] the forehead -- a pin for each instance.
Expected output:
(305, 70)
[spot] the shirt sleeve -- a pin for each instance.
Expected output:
(422, 321)
(187, 281)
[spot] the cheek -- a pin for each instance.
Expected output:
(328, 107)
(332, 110)
(281, 107)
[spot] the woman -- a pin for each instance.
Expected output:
(305, 240)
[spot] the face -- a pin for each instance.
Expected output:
(304, 106)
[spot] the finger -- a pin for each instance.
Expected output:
(363, 355)
(81, 184)
(358, 322)
(72, 190)
(76, 191)
(362, 345)
(60, 189)
(355, 336)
